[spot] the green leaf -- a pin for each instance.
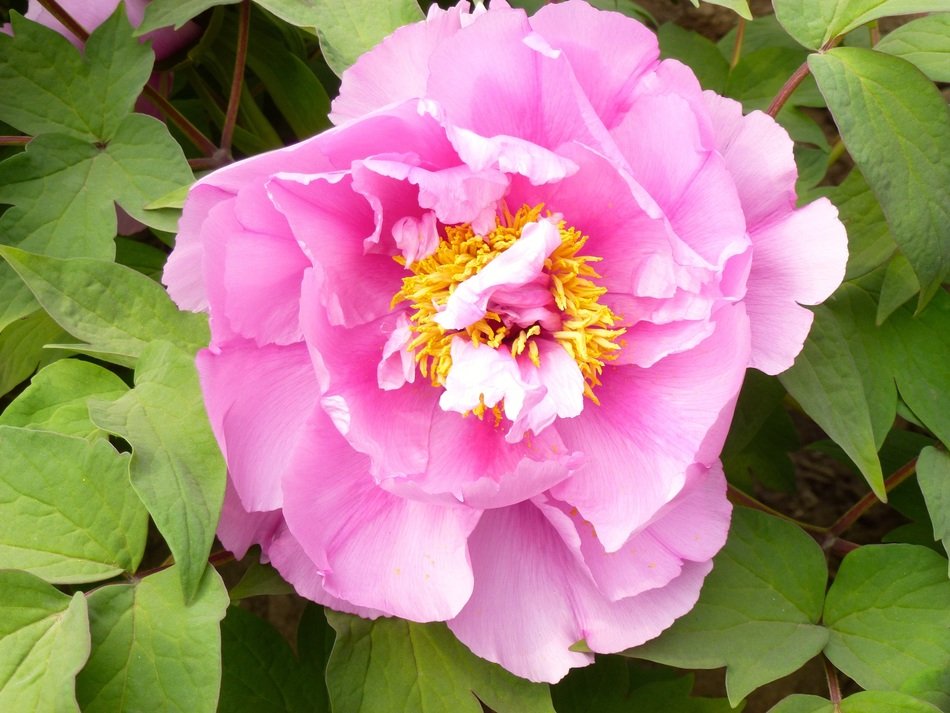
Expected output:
(176, 468)
(740, 7)
(347, 30)
(760, 75)
(888, 613)
(815, 22)
(925, 43)
(261, 674)
(56, 398)
(896, 126)
(691, 48)
(863, 702)
(919, 345)
(933, 474)
(44, 641)
(758, 611)
(259, 580)
(764, 32)
(21, 347)
(900, 284)
(163, 13)
(842, 380)
(92, 525)
(151, 651)
(624, 7)
(141, 257)
(391, 665)
(112, 307)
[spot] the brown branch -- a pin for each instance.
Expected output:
(237, 79)
(868, 501)
(65, 19)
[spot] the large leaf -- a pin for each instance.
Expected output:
(261, 673)
(888, 612)
(924, 43)
(44, 641)
(56, 398)
(815, 22)
(759, 609)
(68, 512)
(933, 474)
(397, 666)
(896, 126)
(151, 651)
(176, 468)
(112, 307)
(843, 381)
(863, 702)
(347, 30)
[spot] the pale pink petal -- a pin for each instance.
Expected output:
(758, 153)
(253, 280)
(480, 374)
(392, 427)
(516, 266)
(396, 69)
(416, 238)
(558, 392)
(607, 51)
(398, 365)
(799, 259)
(258, 400)
(540, 600)
(635, 463)
(375, 550)
(332, 222)
(239, 530)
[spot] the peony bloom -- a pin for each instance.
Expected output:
(92, 13)
(476, 349)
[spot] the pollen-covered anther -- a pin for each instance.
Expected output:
(587, 329)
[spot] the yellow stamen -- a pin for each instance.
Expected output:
(587, 330)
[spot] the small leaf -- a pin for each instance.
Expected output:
(842, 380)
(900, 284)
(261, 674)
(896, 126)
(933, 474)
(176, 466)
(397, 666)
(165, 13)
(888, 612)
(740, 7)
(21, 347)
(758, 611)
(113, 307)
(56, 398)
(69, 513)
(347, 30)
(691, 48)
(151, 651)
(259, 580)
(925, 43)
(863, 702)
(815, 22)
(44, 641)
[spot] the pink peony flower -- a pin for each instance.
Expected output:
(476, 349)
(92, 13)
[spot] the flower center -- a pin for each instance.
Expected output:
(562, 303)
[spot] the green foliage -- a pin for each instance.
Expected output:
(259, 580)
(396, 666)
(933, 472)
(759, 609)
(182, 487)
(896, 126)
(924, 43)
(22, 347)
(44, 641)
(740, 7)
(151, 650)
(93, 526)
(864, 702)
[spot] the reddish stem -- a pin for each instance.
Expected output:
(15, 140)
(798, 76)
(740, 498)
(237, 79)
(200, 141)
(215, 559)
(65, 19)
(737, 47)
(868, 501)
(834, 688)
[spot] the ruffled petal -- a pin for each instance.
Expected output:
(402, 557)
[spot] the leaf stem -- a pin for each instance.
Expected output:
(834, 688)
(65, 19)
(740, 498)
(868, 501)
(15, 140)
(240, 59)
(798, 76)
(215, 559)
(200, 141)
(737, 47)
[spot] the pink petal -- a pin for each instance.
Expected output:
(239, 530)
(258, 400)
(480, 373)
(635, 461)
(375, 550)
(540, 600)
(516, 266)
(558, 390)
(607, 51)
(799, 259)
